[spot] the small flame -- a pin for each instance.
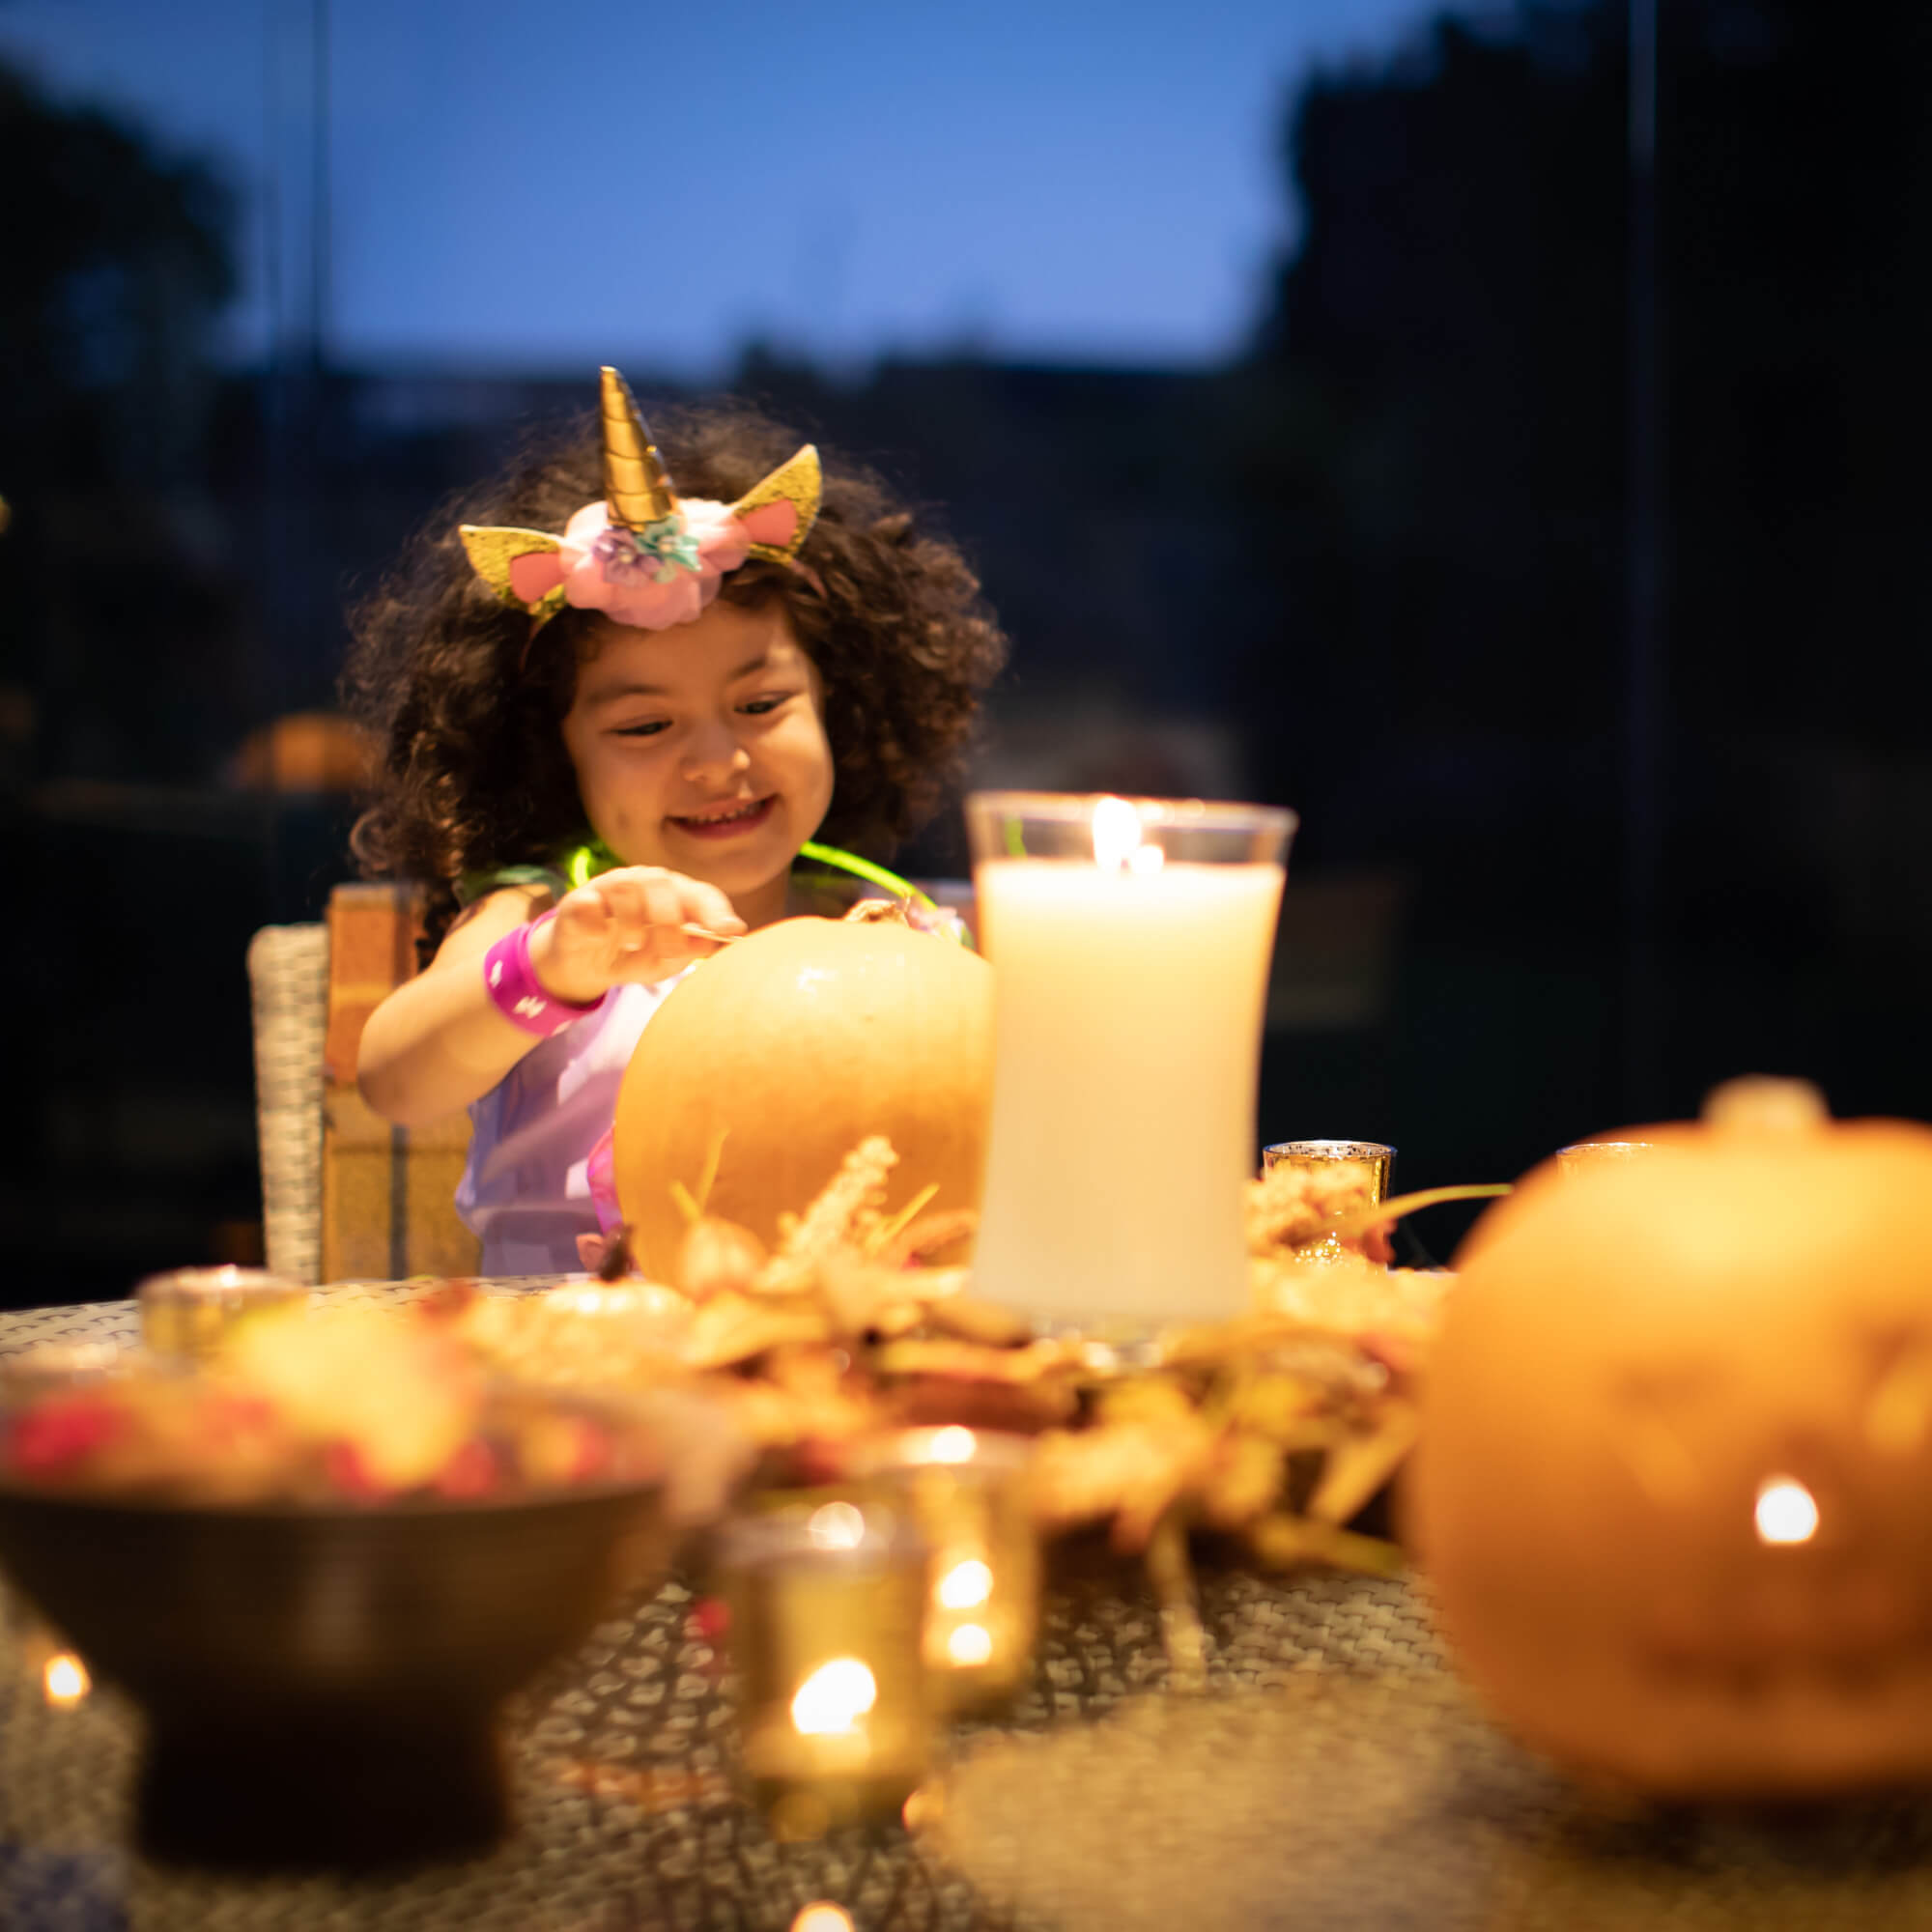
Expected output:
(834, 1697)
(964, 1586)
(835, 1526)
(64, 1680)
(822, 1916)
(1786, 1511)
(970, 1643)
(1116, 834)
(953, 1445)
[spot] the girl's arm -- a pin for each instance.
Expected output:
(440, 1041)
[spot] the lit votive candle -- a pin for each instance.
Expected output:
(1130, 942)
(971, 1493)
(187, 1312)
(827, 1602)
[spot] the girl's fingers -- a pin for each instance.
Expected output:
(649, 910)
(707, 906)
(631, 924)
(649, 896)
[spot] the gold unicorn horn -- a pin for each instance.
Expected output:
(635, 487)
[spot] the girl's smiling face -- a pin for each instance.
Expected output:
(702, 748)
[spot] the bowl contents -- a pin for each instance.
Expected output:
(356, 1404)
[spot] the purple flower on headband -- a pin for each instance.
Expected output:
(658, 550)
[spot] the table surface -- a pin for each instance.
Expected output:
(1334, 1774)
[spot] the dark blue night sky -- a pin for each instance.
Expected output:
(513, 186)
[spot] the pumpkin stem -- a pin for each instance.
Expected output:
(1763, 1103)
(880, 912)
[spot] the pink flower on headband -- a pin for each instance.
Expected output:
(661, 575)
(654, 577)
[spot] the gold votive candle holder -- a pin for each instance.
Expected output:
(1375, 1157)
(1580, 1156)
(188, 1313)
(827, 1600)
(971, 1493)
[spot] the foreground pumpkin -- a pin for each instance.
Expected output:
(785, 1050)
(1673, 1493)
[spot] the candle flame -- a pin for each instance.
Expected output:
(822, 1916)
(1116, 834)
(954, 1444)
(1786, 1511)
(835, 1526)
(964, 1586)
(970, 1643)
(834, 1697)
(64, 1680)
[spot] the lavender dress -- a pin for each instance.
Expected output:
(525, 1190)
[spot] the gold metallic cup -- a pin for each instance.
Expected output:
(1580, 1156)
(971, 1493)
(827, 1602)
(1377, 1157)
(188, 1313)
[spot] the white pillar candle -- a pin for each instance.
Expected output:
(1129, 986)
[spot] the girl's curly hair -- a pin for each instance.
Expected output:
(468, 710)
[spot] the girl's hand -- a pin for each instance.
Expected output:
(627, 925)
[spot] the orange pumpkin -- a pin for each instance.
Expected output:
(795, 1043)
(1673, 1493)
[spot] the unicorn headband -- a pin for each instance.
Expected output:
(642, 556)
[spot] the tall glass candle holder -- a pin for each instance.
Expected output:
(1131, 941)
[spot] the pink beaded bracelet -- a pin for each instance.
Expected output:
(513, 985)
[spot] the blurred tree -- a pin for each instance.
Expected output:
(1434, 435)
(120, 628)
(1436, 438)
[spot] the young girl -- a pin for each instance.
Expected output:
(617, 702)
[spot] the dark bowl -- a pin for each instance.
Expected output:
(322, 1687)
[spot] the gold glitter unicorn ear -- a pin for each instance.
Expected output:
(795, 485)
(635, 486)
(519, 565)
